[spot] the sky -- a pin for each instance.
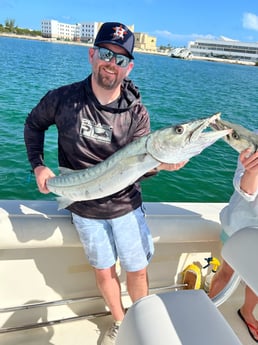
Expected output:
(172, 22)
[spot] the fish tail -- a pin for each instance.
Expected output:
(63, 202)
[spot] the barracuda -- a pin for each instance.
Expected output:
(239, 138)
(173, 144)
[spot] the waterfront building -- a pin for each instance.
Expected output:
(225, 49)
(56, 30)
(145, 42)
(87, 31)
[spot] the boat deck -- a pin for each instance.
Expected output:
(90, 332)
(42, 261)
(229, 310)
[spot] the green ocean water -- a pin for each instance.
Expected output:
(173, 90)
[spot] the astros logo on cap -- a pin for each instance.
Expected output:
(119, 32)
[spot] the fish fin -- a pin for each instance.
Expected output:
(63, 202)
(64, 171)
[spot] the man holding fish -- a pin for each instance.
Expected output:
(95, 118)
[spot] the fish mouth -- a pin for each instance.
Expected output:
(217, 124)
(211, 121)
(220, 125)
(206, 138)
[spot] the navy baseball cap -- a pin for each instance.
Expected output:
(118, 34)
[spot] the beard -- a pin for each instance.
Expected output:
(105, 81)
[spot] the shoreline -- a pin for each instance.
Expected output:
(200, 58)
(53, 40)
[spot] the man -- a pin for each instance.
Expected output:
(95, 118)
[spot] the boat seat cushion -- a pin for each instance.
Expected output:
(240, 251)
(185, 317)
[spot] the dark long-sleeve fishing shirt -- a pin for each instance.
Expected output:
(88, 133)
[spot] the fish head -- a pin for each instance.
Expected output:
(239, 138)
(183, 141)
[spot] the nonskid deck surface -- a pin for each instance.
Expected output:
(229, 310)
(90, 332)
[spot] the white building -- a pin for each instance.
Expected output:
(89, 31)
(225, 49)
(86, 31)
(55, 29)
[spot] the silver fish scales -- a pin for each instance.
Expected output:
(172, 144)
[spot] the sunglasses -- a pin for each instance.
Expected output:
(107, 55)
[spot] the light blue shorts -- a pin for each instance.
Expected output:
(127, 237)
(224, 236)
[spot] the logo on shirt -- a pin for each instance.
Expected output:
(95, 131)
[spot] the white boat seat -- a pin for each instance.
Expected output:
(186, 317)
(240, 252)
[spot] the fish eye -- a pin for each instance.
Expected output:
(179, 129)
(235, 135)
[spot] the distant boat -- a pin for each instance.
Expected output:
(181, 53)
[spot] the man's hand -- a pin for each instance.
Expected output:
(171, 167)
(42, 174)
